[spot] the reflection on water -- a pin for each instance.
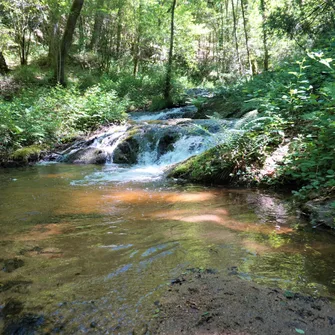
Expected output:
(101, 253)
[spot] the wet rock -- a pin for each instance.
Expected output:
(178, 281)
(166, 143)
(93, 324)
(87, 156)
(27, 324)
(11, 265)
(53, 157)
(321, 211)
(233, 271)
(189, 111)
(127, 152)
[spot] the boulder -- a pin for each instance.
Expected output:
(321, 211)
(87, 156)
(127, 152)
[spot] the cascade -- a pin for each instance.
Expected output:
(149, 143)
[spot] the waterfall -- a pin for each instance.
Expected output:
(148, 144)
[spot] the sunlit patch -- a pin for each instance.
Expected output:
(202, 218)
(256, 247)
(138, 196)
(218, 216)
(77, 202)
(45, 231)
(57, 175)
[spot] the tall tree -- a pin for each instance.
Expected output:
(67, 40)
(138, 36)
(235, 36)
(246, 35)
(119, 27)
(53, 31)
(265, 36)
(167, 91)
(98, 20)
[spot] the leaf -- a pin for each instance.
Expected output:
(300, 331)
(18, 129)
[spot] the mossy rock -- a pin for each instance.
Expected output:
(26, 155)
(208, 167)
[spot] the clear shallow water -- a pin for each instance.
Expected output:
(98, 250)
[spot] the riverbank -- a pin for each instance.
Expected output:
(207, 302)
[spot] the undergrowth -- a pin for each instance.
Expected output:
(295, 103)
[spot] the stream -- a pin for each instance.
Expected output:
(86, 247)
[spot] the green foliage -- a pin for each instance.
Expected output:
(45, 115)
(30, 75)
(144, 90)
(295, 103)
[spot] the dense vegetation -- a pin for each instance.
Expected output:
(68, 67)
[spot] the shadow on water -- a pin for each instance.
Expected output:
(92, 256)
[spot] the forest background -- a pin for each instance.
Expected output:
(69, 67)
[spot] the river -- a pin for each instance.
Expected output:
(87, 246)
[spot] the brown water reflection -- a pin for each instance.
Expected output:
(104, 252)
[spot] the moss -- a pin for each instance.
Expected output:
(238, 161)
(27, 154)
(133, 132)
(211, 166)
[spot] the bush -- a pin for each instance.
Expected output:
(45, 115)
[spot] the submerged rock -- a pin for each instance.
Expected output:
(26, 324)
(11, 265)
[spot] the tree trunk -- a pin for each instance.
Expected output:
(3, 65)
(98, 20)
(23, 60)
(265, 37)
(67, 40)
(246, 36)
(136, 56)
(236, 40)
(81, 27)
(119, 28)
(167, 91)
(53, 33)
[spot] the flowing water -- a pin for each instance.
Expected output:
(90, 249)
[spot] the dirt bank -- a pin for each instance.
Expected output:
(204, 302)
